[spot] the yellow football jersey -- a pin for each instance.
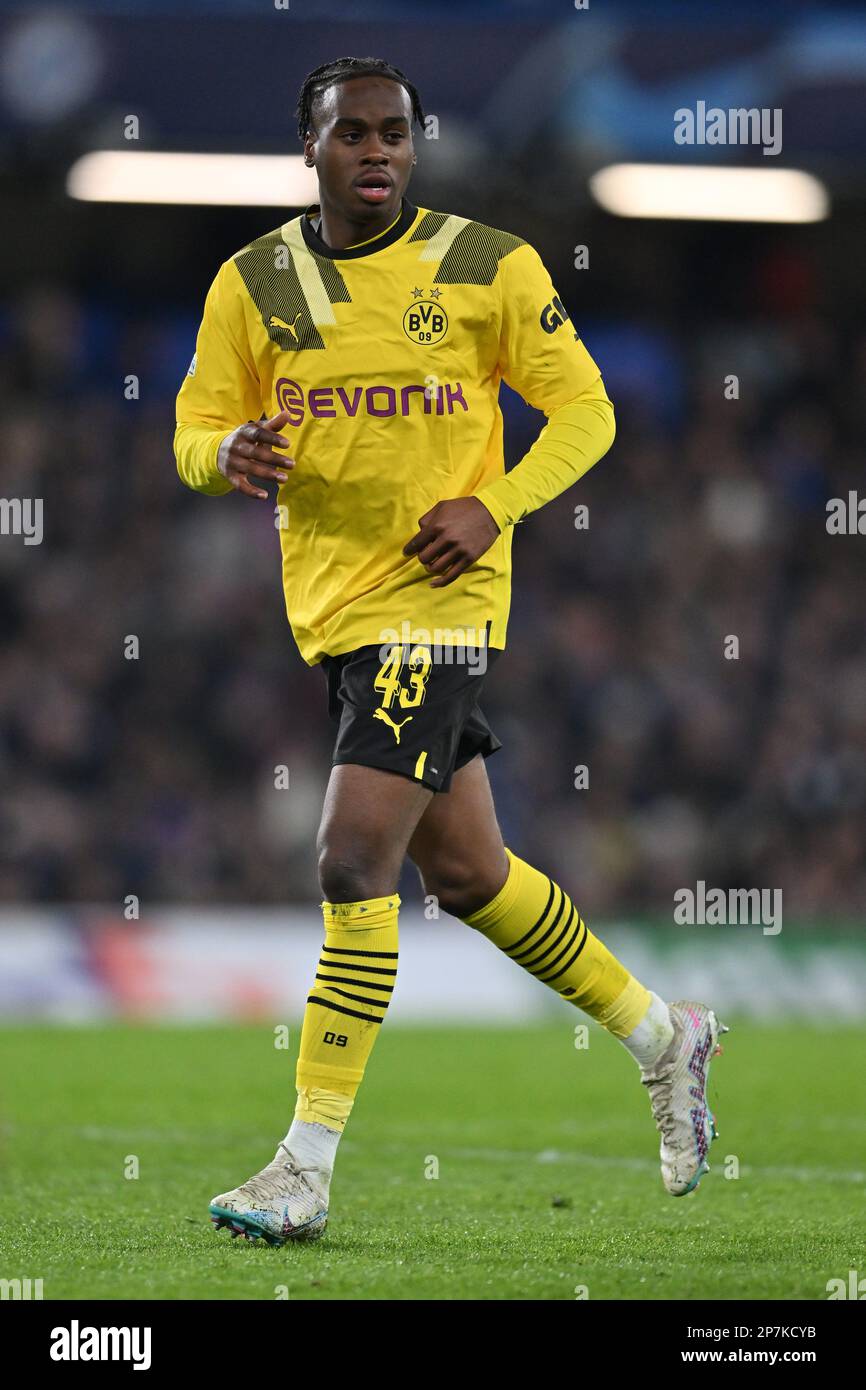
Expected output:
(388, 357)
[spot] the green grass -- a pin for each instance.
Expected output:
(548, 1175)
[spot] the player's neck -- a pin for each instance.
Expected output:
(341, 234)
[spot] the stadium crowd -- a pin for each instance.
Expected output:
(150, 689)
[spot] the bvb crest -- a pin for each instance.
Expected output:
(425, 321)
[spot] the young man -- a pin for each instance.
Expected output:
(376, 333)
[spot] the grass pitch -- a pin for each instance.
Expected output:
(546, 1157)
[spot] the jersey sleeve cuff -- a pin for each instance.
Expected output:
(497, 510)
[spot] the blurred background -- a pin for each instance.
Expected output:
(149, 863)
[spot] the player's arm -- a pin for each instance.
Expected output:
(542, 357)
(216, 451)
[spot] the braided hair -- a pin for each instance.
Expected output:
(339, 70)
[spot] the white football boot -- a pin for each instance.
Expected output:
(677, 1083)
(282, 1202)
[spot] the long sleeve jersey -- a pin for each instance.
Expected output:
(388, 357)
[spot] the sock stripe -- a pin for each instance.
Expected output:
(568, 964)
(351, 965)
(339, 1009)
(514, 945)
(547, 960)
(341, 980)
(347, 951)
(551, 945)
(359, 998)
(535, 945)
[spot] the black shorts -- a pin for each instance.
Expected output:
(407, 713)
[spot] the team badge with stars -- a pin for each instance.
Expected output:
(425, 321)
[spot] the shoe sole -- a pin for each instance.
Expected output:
(717, 1028)
(238, 1224)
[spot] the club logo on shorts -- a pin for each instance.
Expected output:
(425, 321)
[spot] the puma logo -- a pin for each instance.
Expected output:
(386, 718)
(276, 322)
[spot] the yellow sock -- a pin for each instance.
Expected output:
(534, 922)
(353, 985)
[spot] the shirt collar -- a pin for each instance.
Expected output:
(315, 243)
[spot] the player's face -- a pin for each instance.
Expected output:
(362, 147)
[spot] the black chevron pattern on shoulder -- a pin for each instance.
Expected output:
(474, 255)
(429, 226)
(268, 271)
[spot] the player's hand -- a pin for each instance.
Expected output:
(451, 537)
(249, 452)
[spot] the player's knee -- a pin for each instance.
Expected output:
(351, 876)
(460, 887)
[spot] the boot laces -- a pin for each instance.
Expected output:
(271, 1181)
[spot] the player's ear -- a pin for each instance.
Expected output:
(309, 151)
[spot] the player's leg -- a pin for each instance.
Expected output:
(526, 914)
(458, 848)
(368, 817)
